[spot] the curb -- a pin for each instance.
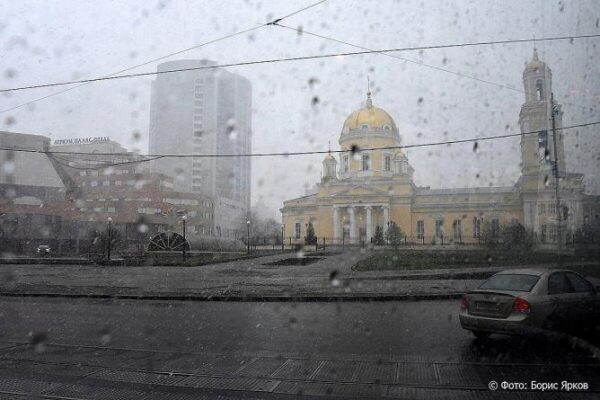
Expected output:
(238, 298)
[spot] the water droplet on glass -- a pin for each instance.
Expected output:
(10, 73)
(105, 339)
(355, 151)
(38, 340)
(333, 279)
(8, 167)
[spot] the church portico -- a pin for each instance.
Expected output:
(360, 221)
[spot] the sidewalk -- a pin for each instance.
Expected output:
(326, 277)
(68, 371)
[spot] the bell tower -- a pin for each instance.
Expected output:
(537, 149)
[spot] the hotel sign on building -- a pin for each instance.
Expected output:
(88, 140)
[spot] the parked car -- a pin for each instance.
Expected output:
(43, 250)
(530, 301)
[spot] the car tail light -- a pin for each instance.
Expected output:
(464, 303)
(521, 305)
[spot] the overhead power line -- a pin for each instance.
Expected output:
(383, 53)
(298, 58)
(115, 74)
(151, 157)
(435, 67)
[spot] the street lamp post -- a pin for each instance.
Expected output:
(387, 234)
(184, 220)
(248, 224)
(282, 238)
(109, 236)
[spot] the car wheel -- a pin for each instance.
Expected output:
(481, 335)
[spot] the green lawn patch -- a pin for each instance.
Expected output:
(439, 259)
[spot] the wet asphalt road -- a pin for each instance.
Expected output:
(419, 330)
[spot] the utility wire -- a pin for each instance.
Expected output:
(383, 53)
(115, 74)
(298, 58)
(435, 67)
(67, 163)
(151, 157)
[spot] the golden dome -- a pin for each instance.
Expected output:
(329, 157)
(369, 117)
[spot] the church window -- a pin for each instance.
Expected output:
(541, 209)
(456, 225)
(439, 228)
(387, 127)
(553, 233)
(495, 228)
(387, 163)
(539, 90)
(330, 170)
(420, 229)
(476, 227)
(297, 229)
(543, 151)
(365, 126)
(345, 164)
(543, 233)
(366, 161)
(566, 214)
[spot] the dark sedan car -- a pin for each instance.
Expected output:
(530, 301)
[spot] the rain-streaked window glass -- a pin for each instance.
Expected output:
(272, 199)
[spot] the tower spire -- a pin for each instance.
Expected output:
(369, 101)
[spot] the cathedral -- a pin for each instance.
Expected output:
(370, 188)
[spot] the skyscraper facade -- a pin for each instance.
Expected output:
(204, 111)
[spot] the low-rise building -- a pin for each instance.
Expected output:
(71, 190)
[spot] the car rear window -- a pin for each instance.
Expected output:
(517, 282)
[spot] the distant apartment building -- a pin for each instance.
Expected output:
(205, 111)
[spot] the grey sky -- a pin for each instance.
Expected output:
(44, 41)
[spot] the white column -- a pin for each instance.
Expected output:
(386, 217)
(369, 224)
(336, 223)
(352, 224)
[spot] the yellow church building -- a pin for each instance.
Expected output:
(372, 184)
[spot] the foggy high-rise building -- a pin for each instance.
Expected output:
(199, 112)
